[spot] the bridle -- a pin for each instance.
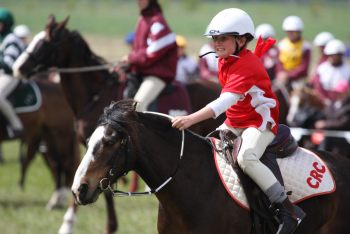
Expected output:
(106, 184)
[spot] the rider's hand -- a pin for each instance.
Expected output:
(182, 122)
(320, 124)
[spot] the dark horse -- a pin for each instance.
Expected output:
(89, 92)
(194, 198)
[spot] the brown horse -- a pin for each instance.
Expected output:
(51, 124)
(89, 92)
(174, 164)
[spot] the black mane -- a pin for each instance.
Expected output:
(85, 53)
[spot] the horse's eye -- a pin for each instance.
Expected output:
(110, 142)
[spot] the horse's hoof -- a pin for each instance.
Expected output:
(58, 200)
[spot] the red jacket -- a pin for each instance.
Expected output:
(247, 76)
(154, 50)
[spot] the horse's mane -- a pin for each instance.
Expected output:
(84, 51)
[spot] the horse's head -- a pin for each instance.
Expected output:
(110, 152)
(47, 49)
(305, 107)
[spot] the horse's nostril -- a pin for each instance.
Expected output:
(83, 189)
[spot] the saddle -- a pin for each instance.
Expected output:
(282, 146)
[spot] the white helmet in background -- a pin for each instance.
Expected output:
(265, 31)
(21, 31)
(293, 23)
(232, 21)
(334, 46)
(322, 38)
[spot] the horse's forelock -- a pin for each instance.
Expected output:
(120, 115)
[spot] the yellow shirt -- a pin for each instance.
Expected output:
(291, 54)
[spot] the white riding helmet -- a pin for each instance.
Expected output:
(292, 23)
(21, 31)
(230, 21)
(334, 46)
(322, 38)
(265, 31)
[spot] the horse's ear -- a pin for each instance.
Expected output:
(51, 20)
(50, 24)
(64, 22)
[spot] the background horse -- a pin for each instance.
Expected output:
(128, 140)
(52, 125)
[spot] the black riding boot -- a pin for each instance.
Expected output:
(289, 215)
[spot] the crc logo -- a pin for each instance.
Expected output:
(213, 31)
(316, 175)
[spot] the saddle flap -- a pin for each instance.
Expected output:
(26, 97)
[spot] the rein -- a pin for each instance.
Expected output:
(111, 174)
(106, 66)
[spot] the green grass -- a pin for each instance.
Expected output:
(116, 18)
(23, 212)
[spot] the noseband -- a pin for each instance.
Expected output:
(106, 185)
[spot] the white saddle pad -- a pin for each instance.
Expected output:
(304, 173)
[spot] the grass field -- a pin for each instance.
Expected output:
(104, 25)
(23, 212)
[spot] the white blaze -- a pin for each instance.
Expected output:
(95, 138)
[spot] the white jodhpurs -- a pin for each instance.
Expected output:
(254, 143)
(7, 85)
(149, 90)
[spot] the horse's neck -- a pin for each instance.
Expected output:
(191, 174)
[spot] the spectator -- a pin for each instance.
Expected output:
(331, 72)
(320, 42)
(270, 57)
(129, 39)
(294, 54)
(187, 67)
(208, 64)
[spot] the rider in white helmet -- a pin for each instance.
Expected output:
(244, 82)
(294, 54)
(270, 57)
(265, 31)
(320, 41)
(333, 71)
(22, 31)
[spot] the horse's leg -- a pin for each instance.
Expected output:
(112, 222)
(26, 158)
(69, 219)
